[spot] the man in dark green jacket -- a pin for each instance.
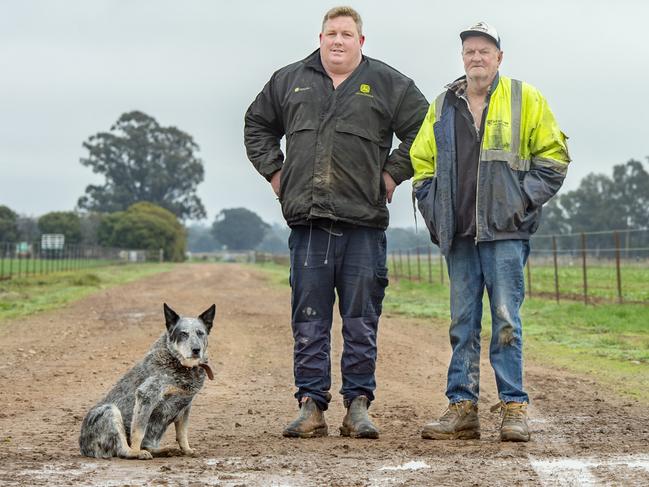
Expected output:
(339, 111)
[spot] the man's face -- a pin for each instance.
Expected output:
(481, 58)
(340, 45)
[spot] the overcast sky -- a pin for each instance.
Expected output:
(70, 68)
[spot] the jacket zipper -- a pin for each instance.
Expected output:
(480, 139)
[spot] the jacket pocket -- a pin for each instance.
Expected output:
(300, 154)
(426, 202)
(506, 204)
(357, 165)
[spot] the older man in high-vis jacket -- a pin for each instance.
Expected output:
(487, 157)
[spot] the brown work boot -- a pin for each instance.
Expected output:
(459, 422)
(356, 422)
(309, 424)
(514, 426)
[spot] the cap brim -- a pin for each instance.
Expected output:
(471, 33)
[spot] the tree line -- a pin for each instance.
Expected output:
(602, 203)
(151, 174)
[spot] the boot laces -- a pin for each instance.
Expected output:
(452, 412)
(511, 411)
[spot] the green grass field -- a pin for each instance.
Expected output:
(27, 295)
(609, 342)
(601, 281)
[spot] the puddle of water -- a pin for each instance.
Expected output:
(577, 471)
(414, 465)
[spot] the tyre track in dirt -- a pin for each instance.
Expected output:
(58, 364)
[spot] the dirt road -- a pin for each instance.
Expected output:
(58, 364)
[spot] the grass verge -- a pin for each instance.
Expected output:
(25, 296)
(608, 342)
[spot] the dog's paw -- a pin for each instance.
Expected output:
(144, 455)
(188, 452)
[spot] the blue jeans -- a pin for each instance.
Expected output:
(498, 266)
(351, 261)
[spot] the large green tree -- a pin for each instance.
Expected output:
(144, 226)
(66, 222)
(239, 229)
(144, 161)
(8, 224)
(605, 203)
(631, 193)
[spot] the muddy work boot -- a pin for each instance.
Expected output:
(459, 422)
(309, 424)
(514, 425)
(357, 423)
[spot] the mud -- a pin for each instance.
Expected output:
(56, 365)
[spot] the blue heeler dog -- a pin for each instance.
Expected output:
(132, 418)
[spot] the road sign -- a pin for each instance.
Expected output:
(52, 241)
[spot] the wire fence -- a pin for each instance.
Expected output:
(595, 267)
(25, 259)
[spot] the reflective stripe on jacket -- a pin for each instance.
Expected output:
(523, 162)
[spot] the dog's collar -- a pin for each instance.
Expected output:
(208, 369)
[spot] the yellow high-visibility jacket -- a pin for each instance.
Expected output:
(523, 162)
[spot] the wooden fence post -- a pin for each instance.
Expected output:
(617, 267)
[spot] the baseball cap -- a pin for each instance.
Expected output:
(481, 29)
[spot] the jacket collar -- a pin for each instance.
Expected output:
(458, 87)
(314, 61)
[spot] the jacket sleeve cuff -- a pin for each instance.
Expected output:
(268, 170)
(398, 175)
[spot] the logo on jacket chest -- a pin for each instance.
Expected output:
(365, 90)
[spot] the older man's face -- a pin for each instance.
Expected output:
(340, 45)
(481, 58)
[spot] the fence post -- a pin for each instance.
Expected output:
(11, 262)
(401, 264)
(418, 265)
(33, 253)
(529, 276)
(430, 265)
(408, 262)
(556, 267)
(2, 260)
(161, 255)
(617, 267)
(394, 266)
(583, 258)
(20, 263)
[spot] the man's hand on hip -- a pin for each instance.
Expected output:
(274, 182)
(390, 186)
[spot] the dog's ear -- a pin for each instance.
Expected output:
(171, 317)
(207, 317)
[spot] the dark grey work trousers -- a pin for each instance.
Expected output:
(350, 261)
